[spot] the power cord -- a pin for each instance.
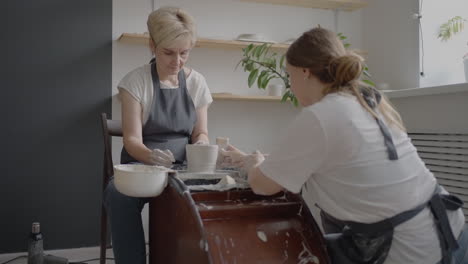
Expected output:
(86, 261)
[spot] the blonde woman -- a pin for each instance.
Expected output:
(350, 152)
(164, 107)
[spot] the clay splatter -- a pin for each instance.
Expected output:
(306, 256)
(285, 255)
(232, 242)
(262, 236)
(209, 207)
(300, 211)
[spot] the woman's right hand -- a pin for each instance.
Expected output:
(162, 158)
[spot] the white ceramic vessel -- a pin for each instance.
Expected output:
(138, 180)
(201, 158)
(254, 38)
(275, 89)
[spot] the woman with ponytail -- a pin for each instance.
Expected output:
(348, 153)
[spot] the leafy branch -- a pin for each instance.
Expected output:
(451, 27)
(264, 66)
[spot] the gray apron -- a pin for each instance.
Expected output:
(359, 243)
(171, 119)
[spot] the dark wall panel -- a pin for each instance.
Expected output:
(56, 80)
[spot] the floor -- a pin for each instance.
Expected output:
(73, 255)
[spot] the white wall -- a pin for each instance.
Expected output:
(447, 107)
(227, 19)
(249, 125)
(390, 36)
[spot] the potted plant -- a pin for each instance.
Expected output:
(265, 65)
(450, 28)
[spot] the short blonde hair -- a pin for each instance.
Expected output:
(169, 24)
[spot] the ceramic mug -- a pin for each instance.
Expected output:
(201, 158)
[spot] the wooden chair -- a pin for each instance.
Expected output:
(110, 128)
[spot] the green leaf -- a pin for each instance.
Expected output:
(266, 50)
(282, 60)
(450, 28)
(269, 79)
(366, 73)
(248, 48)
(259, 51)
(252, 76)
(249, 66)
(261, 79)
(285, 96)
(371, 83)
(272, 63)
(295, 101)
(254, 50)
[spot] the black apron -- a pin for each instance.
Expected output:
(171, 119)
(358, 243)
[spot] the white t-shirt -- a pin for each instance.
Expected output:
(335, 148)
(139, 84)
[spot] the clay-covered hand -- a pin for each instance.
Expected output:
(162, 158)
(252, 160)
(201, 142)
(230, 157)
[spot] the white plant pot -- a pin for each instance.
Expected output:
(465, 62)
(275, 89)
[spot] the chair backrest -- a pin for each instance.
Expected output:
(110, 128)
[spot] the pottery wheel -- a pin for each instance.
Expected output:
(220, 180)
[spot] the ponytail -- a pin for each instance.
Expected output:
(320, 51)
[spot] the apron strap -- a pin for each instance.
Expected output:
(439, 204)
(373, 98)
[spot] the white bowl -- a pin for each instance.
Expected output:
(138, 180)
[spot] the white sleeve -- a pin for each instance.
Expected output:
(299, 154)
(200, 94)
(134, 83)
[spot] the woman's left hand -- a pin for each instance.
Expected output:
(230, 157)
(252, 160)
(201, 142)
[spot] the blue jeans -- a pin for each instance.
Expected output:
(128, 238)
(460, 256)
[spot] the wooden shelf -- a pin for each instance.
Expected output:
(135, 38)
(347, 5)
(255, 98)
(233, 44)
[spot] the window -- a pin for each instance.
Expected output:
(442, 62)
